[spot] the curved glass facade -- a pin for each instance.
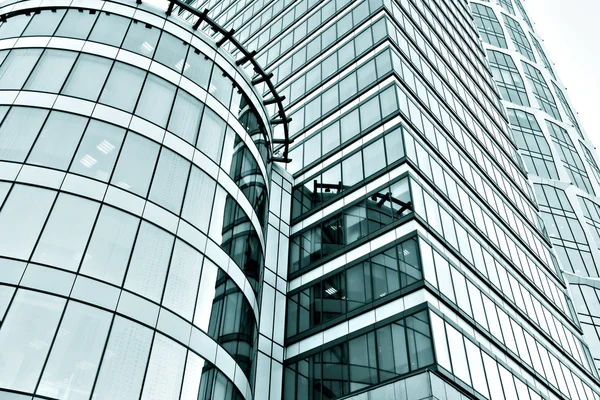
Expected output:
(559, 157)
(133, 207)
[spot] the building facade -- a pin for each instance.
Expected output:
(558, 154)
(151, 246)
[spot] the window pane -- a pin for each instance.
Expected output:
(156, 100)
(110, 29)
(22, 218)
(169, 181)
(212, 132)
(373, 156)
(198, 68)
(76, 352)
(66, 232)
(51, 71)
(136, 164)
(18, 132)
(77, 24)
(98, 150)
(124, 362)
(58, 140)
(44, 23)
(199, 199)
(112, 241)
(165, 370)
(148, 267)
(220, 86)
(88, 77)
(123, 86)
(171, 52)
(25, 338)
(182, 284)
(185, 118)
(141, 38)
(206, 294)
(14, 26)
(16, 67)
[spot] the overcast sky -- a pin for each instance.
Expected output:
(571, 33)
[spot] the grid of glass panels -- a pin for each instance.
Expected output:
(533, 146)
(379, 275)
(542, 55)
(568, 236)
(361, 360)
(488, 25)
(518, 37)
(128, 306)
(524, 14)
(507, 77)
(567, 108)
(587, 303)
(570, 157)
(541, 91)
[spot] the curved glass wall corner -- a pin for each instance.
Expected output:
(133, 195)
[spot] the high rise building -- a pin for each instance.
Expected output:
(553, 144)
(285, 199)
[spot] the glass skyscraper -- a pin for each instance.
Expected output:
(291, 199)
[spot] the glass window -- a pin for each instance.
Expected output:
(136, 164)
(199, 199)
(22, 218)
(98, 150)
(58, 140)
(185, 118)
(211, 136)
(148, 268)
(16, 67)
(220, 86)
(165, 370)
(124, 362)
(71, 368)
(141, 38)
(182, 283)
(88, 77)
(488, 25)
(171, 52)
(123, 86)
(156, 100)
(77, 23)
(206, 294)
(198, 68)
(44, 23)
(107, 255)
(110, 29)
(18, 132)
(67, 231)
(373, 157)
(168, 185)
(32, 319)
(14, 26)
(51, 71)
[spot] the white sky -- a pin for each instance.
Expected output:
(571, 33)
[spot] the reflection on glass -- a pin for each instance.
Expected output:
(77, 24)
(58, 140)
(123, 86)
(165, 370)
(76, 351)
(384, 273)
(168, 185)
(67, 231)
(98, 150)
(88, 77)
(25, 338)
(141, 38)
(16, 67)
(136, 164)
(124, 362)
(53, 63)
(107, 254)
(19, 130)
(22, 218)
(156, 100)
(109, 29)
